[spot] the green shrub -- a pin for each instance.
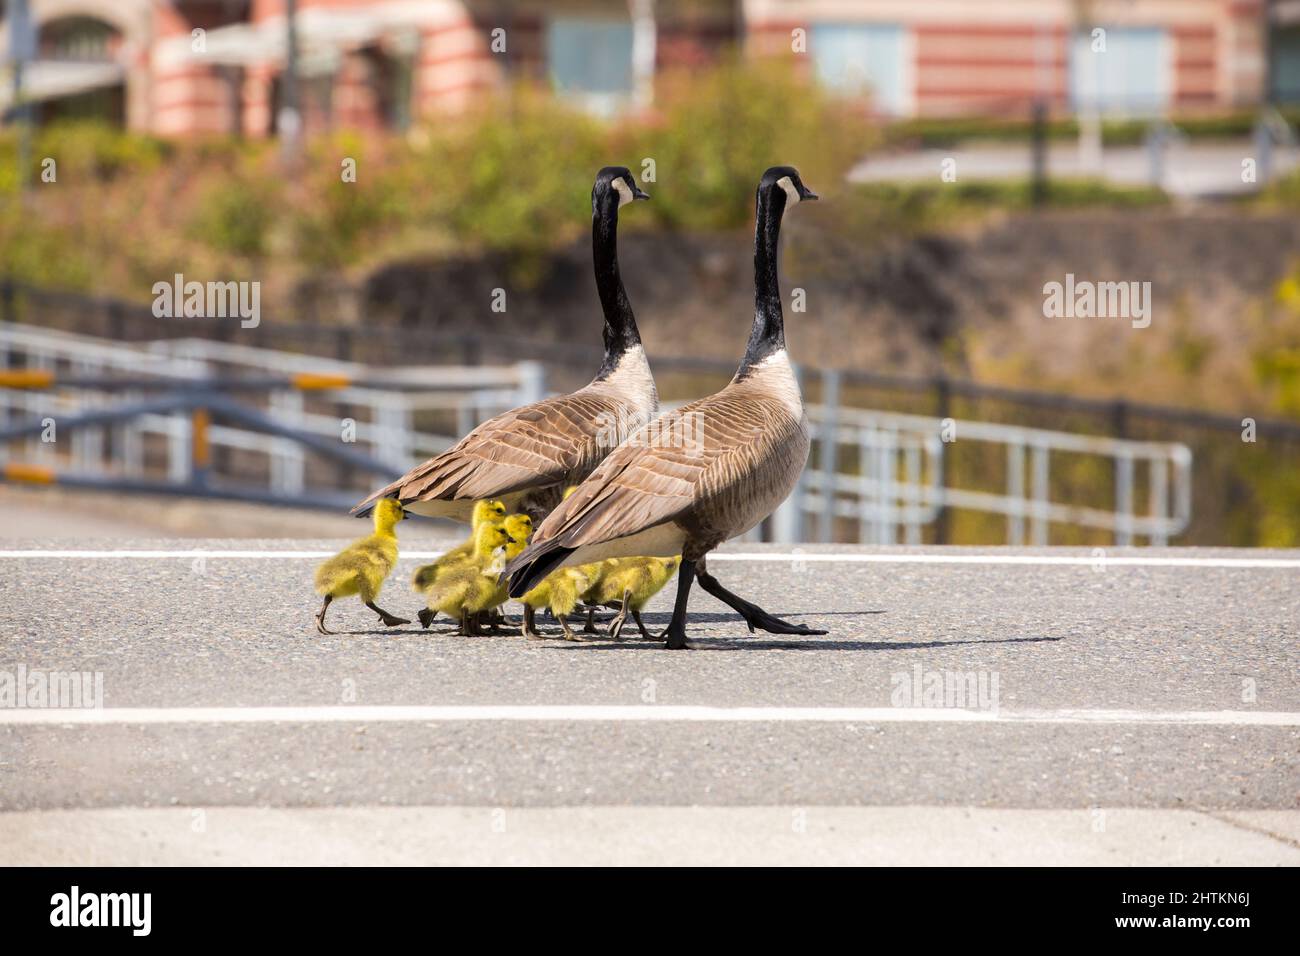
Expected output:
(718, 131)
(234, 213)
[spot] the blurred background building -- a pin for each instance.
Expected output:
(177, 67)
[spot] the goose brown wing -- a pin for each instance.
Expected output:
(707, 450)
(541, 444)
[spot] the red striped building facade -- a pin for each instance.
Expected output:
(179, 67)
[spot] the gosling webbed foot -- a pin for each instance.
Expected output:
(320, 616)
(645, 634)
(388, 620)
(426, 616)
(528, 627)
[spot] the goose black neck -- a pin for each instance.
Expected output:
(768, 332)
(620, 333)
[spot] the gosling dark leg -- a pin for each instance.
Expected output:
(645, 635)
(616, 625)
(320, 616)
(754, 615)
(389, 620)
(676, 633)
(529, 627)
(590, 627)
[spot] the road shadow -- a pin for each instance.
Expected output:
(777, 642)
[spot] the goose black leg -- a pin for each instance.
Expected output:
(320, 617)
(676, 633)
(754, 615)
(389, 620)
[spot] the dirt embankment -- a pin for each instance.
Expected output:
(971, 301)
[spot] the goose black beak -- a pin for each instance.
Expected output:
(807, 194)
(639, 193)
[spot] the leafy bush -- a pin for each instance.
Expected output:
(235, 216)
(508, 180)
(717, 132)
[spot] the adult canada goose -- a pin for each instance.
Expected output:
(527, 456)
(704, 473)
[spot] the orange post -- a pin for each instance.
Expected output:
(31, 474)
(26, 378)
(200, 449)
(313, 382)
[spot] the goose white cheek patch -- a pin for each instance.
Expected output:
(624, 192)
(793, 194)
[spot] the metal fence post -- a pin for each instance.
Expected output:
(1016, 493)
(829, 462)
(1124, 499)
(1041, 491)
(943, 409)
(1159, 501)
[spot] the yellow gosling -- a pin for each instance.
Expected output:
(469, 587)
(488, 511)
(484, 511)
(595, 573)
(631, 582)
(520, 528)
(559, 592)
(362, 566)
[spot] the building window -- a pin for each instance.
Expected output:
(77, 38)
(1286, 64)
(862, 59)
(590, 60)
(1130, 76)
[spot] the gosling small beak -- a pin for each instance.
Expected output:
(509, 540)
(639, 193)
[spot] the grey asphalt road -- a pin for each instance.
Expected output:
(1139, 649)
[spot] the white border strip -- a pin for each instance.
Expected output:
(635, 714)
(1031, 560)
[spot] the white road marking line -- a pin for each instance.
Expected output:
(635, 714)
(1032, 560)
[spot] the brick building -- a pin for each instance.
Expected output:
(178, 67)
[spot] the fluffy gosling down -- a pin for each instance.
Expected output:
(488, 510)
(467, 589)
(558, 592)
(362, 566)
(629, 583)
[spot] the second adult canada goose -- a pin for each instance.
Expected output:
(705, 472)
(527, 456)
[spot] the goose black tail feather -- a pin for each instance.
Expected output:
(527, 571)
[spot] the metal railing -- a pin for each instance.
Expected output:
(885, 475)
(192, 416)
(157, 418)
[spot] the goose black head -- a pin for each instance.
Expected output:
(618, 181)
(786, 179)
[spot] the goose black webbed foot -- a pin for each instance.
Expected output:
(755, 617)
